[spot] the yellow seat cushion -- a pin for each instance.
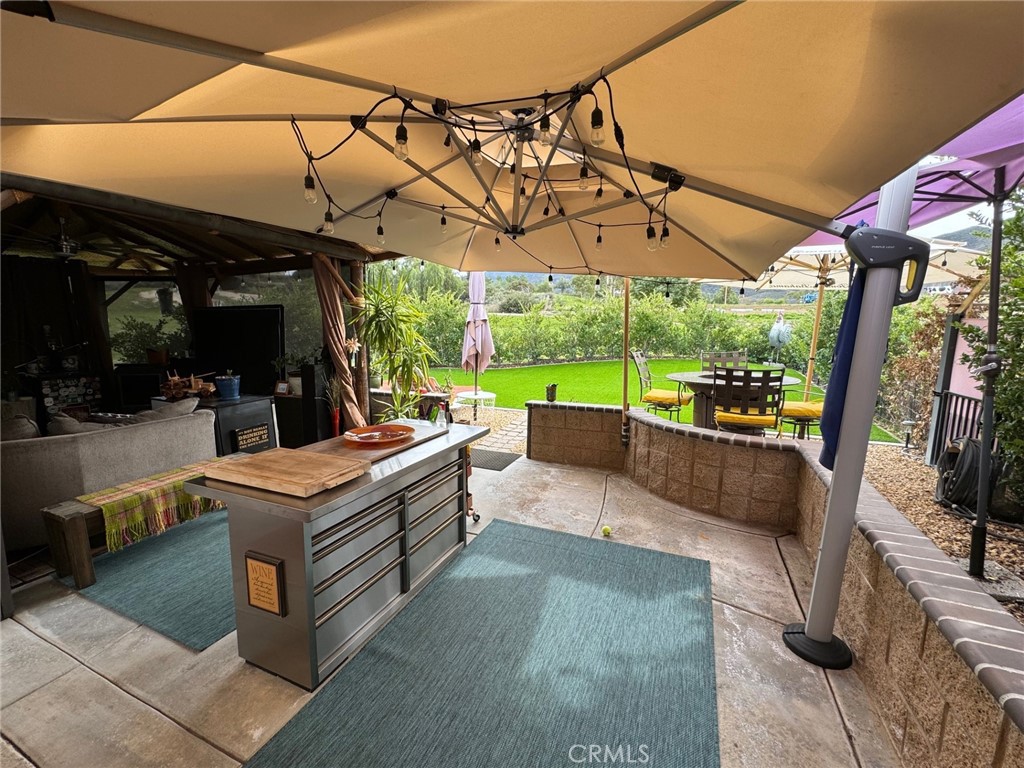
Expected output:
(745, 419)
(666, 397)
(803, 409)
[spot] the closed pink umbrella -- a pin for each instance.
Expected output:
(477, 344)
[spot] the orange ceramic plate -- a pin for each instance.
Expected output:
(379, 434)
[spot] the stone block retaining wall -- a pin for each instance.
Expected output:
(943, 662)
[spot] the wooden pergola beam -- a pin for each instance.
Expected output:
(109, 201)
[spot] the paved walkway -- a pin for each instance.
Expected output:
(508, 430)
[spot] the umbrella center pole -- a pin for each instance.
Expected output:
(814, 641)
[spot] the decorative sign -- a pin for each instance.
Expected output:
(254, 438)
(264, 577)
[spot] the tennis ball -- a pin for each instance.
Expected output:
(606, 531)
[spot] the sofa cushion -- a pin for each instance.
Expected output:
(62, 424)
(21, 427)
(169, 411)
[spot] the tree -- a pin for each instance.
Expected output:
(680, 292)
(1009, 389)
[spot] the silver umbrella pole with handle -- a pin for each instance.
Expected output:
(882, 253)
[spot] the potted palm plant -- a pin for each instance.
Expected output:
(389, 319)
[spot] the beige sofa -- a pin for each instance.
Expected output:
(39, 472)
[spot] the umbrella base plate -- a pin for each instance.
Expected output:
(835, 654)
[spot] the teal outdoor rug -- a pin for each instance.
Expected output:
(532, 649)
(177, 583)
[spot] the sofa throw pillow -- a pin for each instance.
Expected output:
(169, 411)
(21, 427)
(62, 424)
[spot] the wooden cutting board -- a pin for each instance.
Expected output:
(289, 471)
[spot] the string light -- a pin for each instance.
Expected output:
(402, 142)
(652, 238)
(547, 206)
(448, 140)
(943, 259)
(551, 277)
(664, 236)
(667, 294)
(510, 179)
(380, 234)
(423, 265)
(444, 222)
(600, 240)
(597, 283)
(584, 178)
(743, 286)
(310, 190)
(328, 222)
(522, 195)
(477, 153)
(600, 190)
(394, 267)
(497, 244)
(597, 127)
(545, 127)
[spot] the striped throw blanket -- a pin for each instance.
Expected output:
(141, 508)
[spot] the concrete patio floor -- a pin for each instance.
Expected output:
(82, 686)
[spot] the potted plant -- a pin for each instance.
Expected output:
(228, 386)
(389, 319)
(332, 396)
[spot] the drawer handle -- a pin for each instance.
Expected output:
(440, 505)
(330, 581)
(324, 535)
(448, 469)
(318, 556)
(339, 606)
(435, 532)
(433, 486)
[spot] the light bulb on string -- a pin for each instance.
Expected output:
(545, 129)
(476, 153)
(448, 141)
(600, 240)
(497, 244)
(310, 190)
(944, 260)
(667, 294)
(547, 207)
(402, 142)
(597, 282)
(522, 195)
(423, 265)
(584, 178)
(664, 236)
(600, 191)
(328, 223)
(394, 267)
(743, 287)
(597, 127)
(380, 234)
(444, 222)
(652, 238)
(551, 277)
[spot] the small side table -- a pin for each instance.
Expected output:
(475, 399)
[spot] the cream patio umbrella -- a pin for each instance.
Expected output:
(142, 100)
(477, 344)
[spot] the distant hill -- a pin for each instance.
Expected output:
(978, 238)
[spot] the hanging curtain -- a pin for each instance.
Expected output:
(329, 293)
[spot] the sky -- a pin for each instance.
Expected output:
(951, 223)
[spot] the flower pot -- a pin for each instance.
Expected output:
(375, 382)
(336, 421)
(552, 392)
(227, 387)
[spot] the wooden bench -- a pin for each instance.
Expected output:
(69, 526)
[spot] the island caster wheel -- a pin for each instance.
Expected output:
(476, 518)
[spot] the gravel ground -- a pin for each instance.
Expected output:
(909, 485)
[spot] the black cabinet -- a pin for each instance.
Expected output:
(245, 424)
(305, 419)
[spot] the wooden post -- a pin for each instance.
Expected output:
(361, 373)
(625, 353)
(822, 276)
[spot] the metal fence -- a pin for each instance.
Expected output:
(958, 416)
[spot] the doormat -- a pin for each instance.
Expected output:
(531, 649)
(497, 460)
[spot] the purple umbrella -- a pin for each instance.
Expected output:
(961, 181)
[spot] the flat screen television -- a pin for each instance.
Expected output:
(244, 340)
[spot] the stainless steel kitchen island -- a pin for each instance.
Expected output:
(314, 578)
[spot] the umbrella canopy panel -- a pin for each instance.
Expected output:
(189, 104)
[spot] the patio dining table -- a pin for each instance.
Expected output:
(701, 384)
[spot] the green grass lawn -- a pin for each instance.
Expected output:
(598, 382)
